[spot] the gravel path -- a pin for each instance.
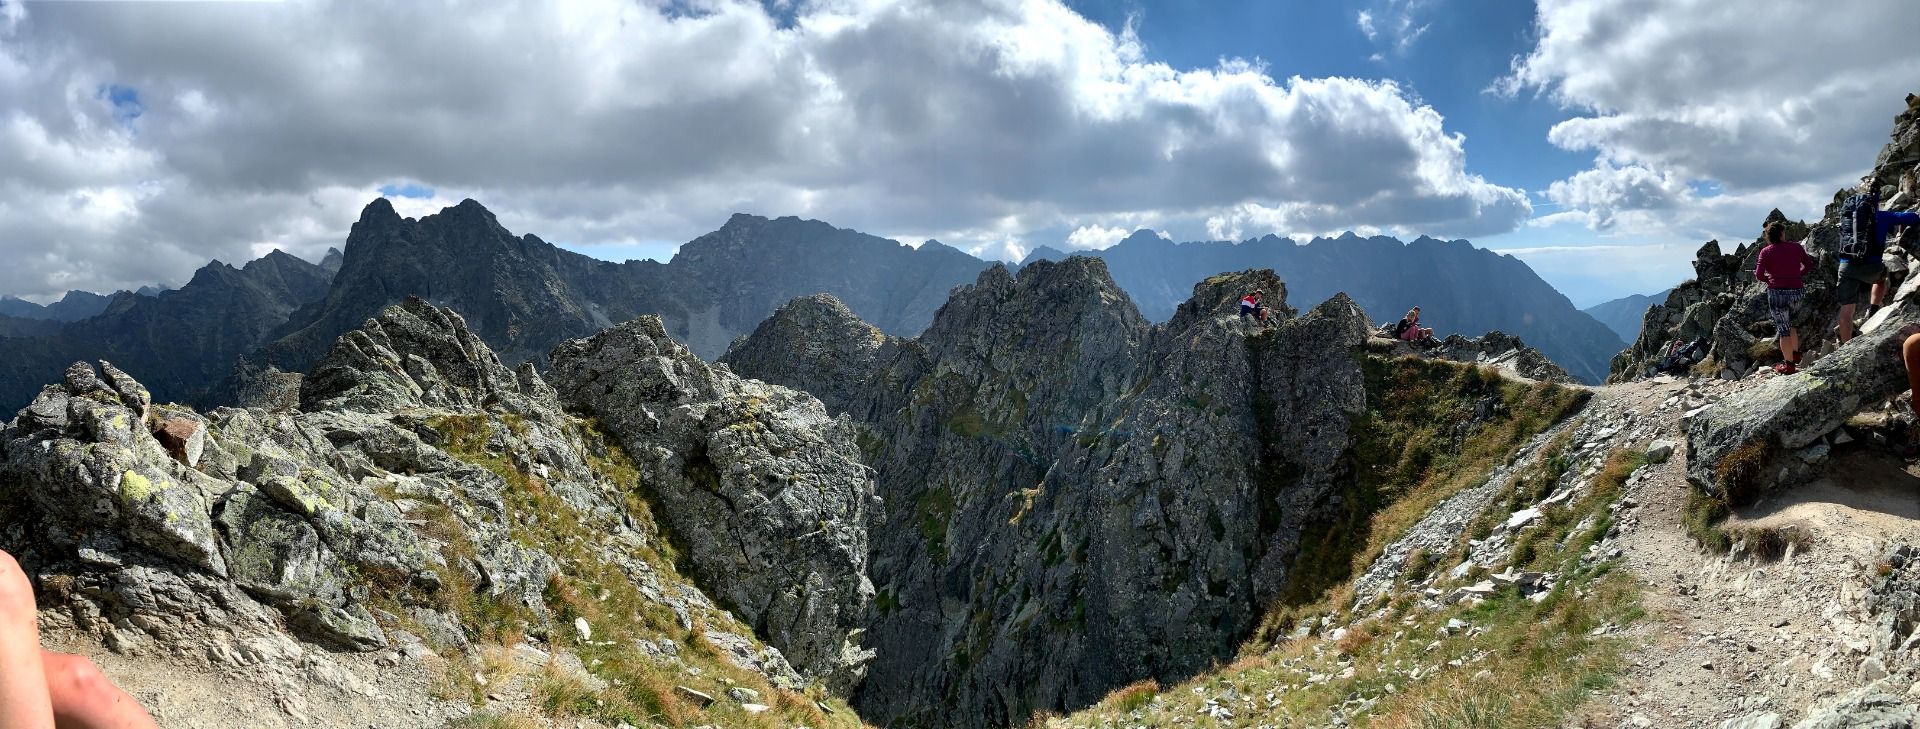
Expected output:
(1733, 638)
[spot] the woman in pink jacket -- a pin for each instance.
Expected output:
(1780, 265)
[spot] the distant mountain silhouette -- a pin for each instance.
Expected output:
(179, 342)
(76, 305)
(1459, 288)
(213, 337)
(524, 295)
(1623, 315)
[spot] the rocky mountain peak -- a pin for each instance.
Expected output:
(1216, 294)
(379, 213)
(419, 355)
(332, 261)
(815, 334)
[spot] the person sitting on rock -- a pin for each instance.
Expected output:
(1863, 240)
(1250, 306)
(1779, 266)
(1410, 330)
(41, 689)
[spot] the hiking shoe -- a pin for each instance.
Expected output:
(1785, 368)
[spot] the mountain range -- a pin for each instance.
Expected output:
(1459, 288)
(207, 341)
(1623, 315)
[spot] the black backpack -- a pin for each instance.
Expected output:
(1399, 328)
(1859, 232)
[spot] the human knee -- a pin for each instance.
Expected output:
(75, 681)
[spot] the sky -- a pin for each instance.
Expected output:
(1600, 141)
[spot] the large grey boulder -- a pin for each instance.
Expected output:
(83, 451)
(767, 491)
(1746, 443)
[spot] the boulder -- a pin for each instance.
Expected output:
(1736, 446)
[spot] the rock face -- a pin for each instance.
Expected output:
(425, 492)
(1459, 288)
(1076, 498)
(1894, 603)
(1751, 441)
(767, 490)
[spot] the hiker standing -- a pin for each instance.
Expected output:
(1863, 237)
(1780, 266)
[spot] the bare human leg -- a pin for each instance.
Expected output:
(24, 703)
(1846, 322)
(83, 698)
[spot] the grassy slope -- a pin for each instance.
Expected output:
(1518, 662)
(639, 689)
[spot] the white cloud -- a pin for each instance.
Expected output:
(1090, 237)
(590, 122)
(1766, 101)
(1393, 24)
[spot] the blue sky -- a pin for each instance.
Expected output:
(1601, 141)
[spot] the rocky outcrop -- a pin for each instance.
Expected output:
(1460, 288)
(1894, 603)
(1075, 498)
(1759, 438)
(1726, 306)
(767, 490)
(417, 355)
(1877, 706)
(425, 499)
(818, 345)
(1493, 349)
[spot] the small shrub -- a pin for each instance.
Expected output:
(1740, 474)
(1133, 696)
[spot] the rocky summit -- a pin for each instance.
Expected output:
(424, 502)
(1077, 499)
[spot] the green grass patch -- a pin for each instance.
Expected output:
(1521, 661)
(1420, 441)
(639, 689)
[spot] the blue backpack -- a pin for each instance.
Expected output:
(1859, 232)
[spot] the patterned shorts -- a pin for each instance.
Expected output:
(1781, 304)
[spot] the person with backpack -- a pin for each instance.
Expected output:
(1863, 238)
(1779, 266)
